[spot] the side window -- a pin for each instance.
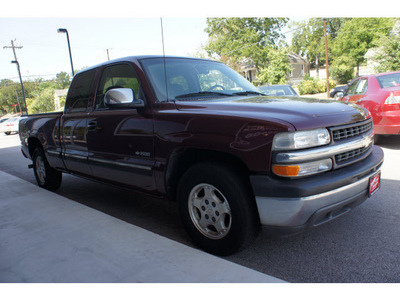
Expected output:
(361, 87)
(352, 88)
(79, 92)
(117, 76)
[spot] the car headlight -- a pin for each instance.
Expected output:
(301, 139)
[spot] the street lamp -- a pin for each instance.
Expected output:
(22, 85)
(63, 30)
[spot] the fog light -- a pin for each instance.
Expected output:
(304, 169)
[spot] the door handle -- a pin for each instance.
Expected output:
(92, 126)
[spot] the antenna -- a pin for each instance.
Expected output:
(165, 66)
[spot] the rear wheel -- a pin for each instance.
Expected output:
(217, 208)
(46, 176)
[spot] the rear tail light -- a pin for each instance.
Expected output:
(393, 98)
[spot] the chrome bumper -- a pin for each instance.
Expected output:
(312, 210)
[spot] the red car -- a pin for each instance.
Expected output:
(380, 94)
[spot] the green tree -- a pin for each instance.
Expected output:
(6, 82)
(8, 97)
(235, 39)
(309, 40)
(356, 36)
(388, 55)
(63, 80)
(43, 102)
(276, 71)
(342, 69)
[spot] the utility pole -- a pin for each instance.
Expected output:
(19, 70)
(108, 54)
(326, 57)
(20, 110)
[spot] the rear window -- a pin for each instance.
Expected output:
(79, 92)
(389, 80)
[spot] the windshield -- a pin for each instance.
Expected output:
(389, 80)
(278, 90)
(190, 79)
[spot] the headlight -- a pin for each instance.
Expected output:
(301, 139)
(303, 169)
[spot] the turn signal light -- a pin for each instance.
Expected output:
(286, 170)
(303, 169)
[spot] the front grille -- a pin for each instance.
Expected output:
(342, 157)
(351, 131)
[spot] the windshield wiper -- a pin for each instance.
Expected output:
(245, 93)
(190, 95)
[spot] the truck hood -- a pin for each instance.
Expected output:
(302, 113)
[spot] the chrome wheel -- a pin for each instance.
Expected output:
(210, 211)
(40, 170)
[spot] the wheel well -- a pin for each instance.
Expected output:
(33, 143)
(182, 160)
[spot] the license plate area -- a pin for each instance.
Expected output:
(374, 184)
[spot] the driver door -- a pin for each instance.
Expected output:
(120, 140)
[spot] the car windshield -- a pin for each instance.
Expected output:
(194, 79)
(278, 90)
(389, 80)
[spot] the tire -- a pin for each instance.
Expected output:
(217, 209)
(7, 132)
(376, 139)
(46, 176)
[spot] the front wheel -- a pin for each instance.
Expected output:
(46, 176)
(217, 208)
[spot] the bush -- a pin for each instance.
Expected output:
(313, 86)
(308, 86)
(342, 69)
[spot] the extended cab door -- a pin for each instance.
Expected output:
(120, 140)
(74, 123)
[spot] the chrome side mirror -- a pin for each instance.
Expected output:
(122, 97)
(339, 95)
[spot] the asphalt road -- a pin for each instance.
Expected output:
(361, 246)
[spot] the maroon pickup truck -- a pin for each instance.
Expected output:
(196, 132)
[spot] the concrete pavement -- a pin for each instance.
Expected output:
(48, 238)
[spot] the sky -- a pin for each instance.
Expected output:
(45, 52)
(128, 28)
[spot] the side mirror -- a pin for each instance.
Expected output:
(122, 97)
(339, 95)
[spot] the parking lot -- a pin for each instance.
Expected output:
(361, 246)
